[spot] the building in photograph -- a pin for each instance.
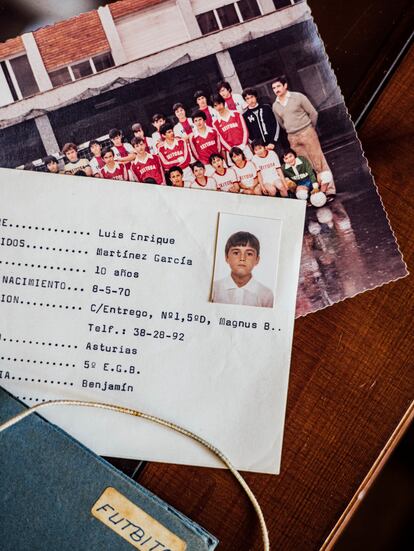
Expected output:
(76, 79)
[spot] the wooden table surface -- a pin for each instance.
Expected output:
(350, 388)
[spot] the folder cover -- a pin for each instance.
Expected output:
(58, 495)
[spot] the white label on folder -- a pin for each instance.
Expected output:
(133, 524)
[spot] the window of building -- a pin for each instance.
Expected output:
(9, 91)
(228, 15)
(282, 3)
(248, 9)
(24, 76)
(19, 77)
(60, 76)
(81, 69)
(103, 61)
(208, 22)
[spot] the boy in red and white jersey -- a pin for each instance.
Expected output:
(226, 178)
(271, 177)
(210, 113)
(123, 151)
(234, 102)
(184, 127)
(112, 169)
(201, 180)
(174, 151)
(205, 141)
(96, 162)
(231, 128)
(145, 164)
(138, 132)
(246, 172)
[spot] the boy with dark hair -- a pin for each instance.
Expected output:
(231, 127)
(74, 164)
(157, 121)
(184, 127)
(261, 121)
(176, 177)
(201, 180)
(226, 178)
(123, 151)
(246, 172)
(96, 161)
(138, 132)
(242, 254)
(174, 151)
(204, 141)
(298, 116)
(112, 169)
(51, 164)
(300, 173)
(201, 100)
(271, 177)
(234, 102)
(145, 164)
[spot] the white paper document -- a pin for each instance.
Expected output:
(179, 303)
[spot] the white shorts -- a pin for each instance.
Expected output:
(277, 183)
(250, 188)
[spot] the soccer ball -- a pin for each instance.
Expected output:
(314, 228)
(325, 216)
(302, 194)
(318, 199)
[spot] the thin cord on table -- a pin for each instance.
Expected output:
(159, 421)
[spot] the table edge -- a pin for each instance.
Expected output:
(369, 479)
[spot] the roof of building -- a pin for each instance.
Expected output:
(11, 47)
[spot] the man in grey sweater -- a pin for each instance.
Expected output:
(296, 114)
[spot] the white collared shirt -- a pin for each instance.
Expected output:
(179, 128)
(284, 103)
(295, 166)
(252, 294)
(225, 118)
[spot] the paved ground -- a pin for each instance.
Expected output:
(348, 246)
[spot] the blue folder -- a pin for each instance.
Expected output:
(49, 484)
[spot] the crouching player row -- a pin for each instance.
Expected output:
(263, 175)
(260, 176)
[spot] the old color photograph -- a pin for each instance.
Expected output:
(214, 95)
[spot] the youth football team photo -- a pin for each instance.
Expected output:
(231, 96)
(225, 142)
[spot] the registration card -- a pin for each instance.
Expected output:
(179, 303)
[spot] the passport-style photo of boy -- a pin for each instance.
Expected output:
(240, 276)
